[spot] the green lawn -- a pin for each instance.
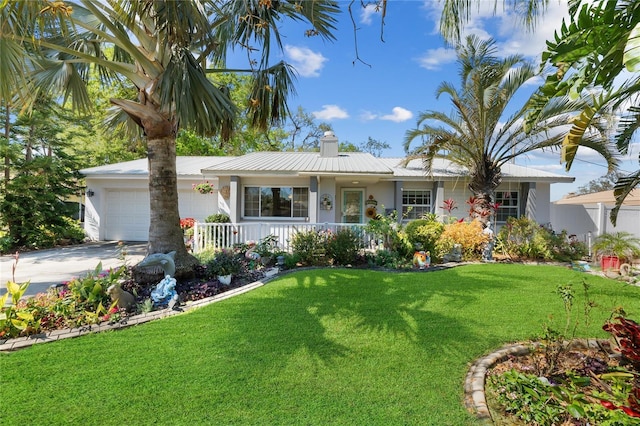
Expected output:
(334, 346)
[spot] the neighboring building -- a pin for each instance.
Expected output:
(302, 187)
(590, 214)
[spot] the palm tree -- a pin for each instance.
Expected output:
(167, 49)
(477, 134)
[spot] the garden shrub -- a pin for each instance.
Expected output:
(225, 262)
(206, 255)
(424, 232)
(387, 259)
(388, 230)
(524, 238)
(343, 247)
(218, 218)
(468, 235)
(310, 247)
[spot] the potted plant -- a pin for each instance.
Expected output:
(223, 265)
(205, 187)
(615, 248)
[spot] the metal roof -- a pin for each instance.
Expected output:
(301, 163)
(311, 163)
(444, 169)
(185, 166)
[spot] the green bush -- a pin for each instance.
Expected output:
(6, 244)
(291, 260)
(225, 262)
(218, 218)
(310, 247)
(526, 239)
(388, 230)
(343, 247)
(72, 230)
(206, 255)
(425, 233)
(387, 259)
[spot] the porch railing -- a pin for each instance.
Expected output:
(226, 235)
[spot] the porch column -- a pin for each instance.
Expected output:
(313, 199)
(235, 202)
(397, 196)
(438, 200)
(530, 203)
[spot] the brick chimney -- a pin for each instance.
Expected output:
(329, 145)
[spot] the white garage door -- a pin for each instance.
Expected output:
(127, 216)
(127, 212)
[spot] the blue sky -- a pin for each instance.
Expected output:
(380, 94)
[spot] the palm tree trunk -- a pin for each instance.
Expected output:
(165, 234)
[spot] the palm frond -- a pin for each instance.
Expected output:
(627, 127)
(196, 101)
(621, 190)
(270, 89)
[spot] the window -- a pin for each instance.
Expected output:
(508, 205)
(265, 201)
(416, 203)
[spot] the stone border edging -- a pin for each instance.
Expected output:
(8, 345)
(474, 395)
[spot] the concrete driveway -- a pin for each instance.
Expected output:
(44, 268)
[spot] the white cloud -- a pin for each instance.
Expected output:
(517, 40)
(307, 62)
(398, 115)
(506, 27)
(434, 59)
(366, 15)
(368, 116)
(330, 112)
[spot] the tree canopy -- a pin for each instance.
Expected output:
(165, 50)
(588, 55)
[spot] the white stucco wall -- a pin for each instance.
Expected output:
(190, 202)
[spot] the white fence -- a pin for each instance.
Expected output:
(226, 235)
(594, 219)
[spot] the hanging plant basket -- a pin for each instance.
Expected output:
(205, 187)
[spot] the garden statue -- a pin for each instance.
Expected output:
(487, 253)
(124, 299)
(421, 259)
(165, 292)
(251, 254)
(455, 255)
(166, 262)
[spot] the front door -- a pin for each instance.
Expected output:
(352, 205)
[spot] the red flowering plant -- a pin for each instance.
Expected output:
(449, 205)
(626, 334)
(187, 222)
